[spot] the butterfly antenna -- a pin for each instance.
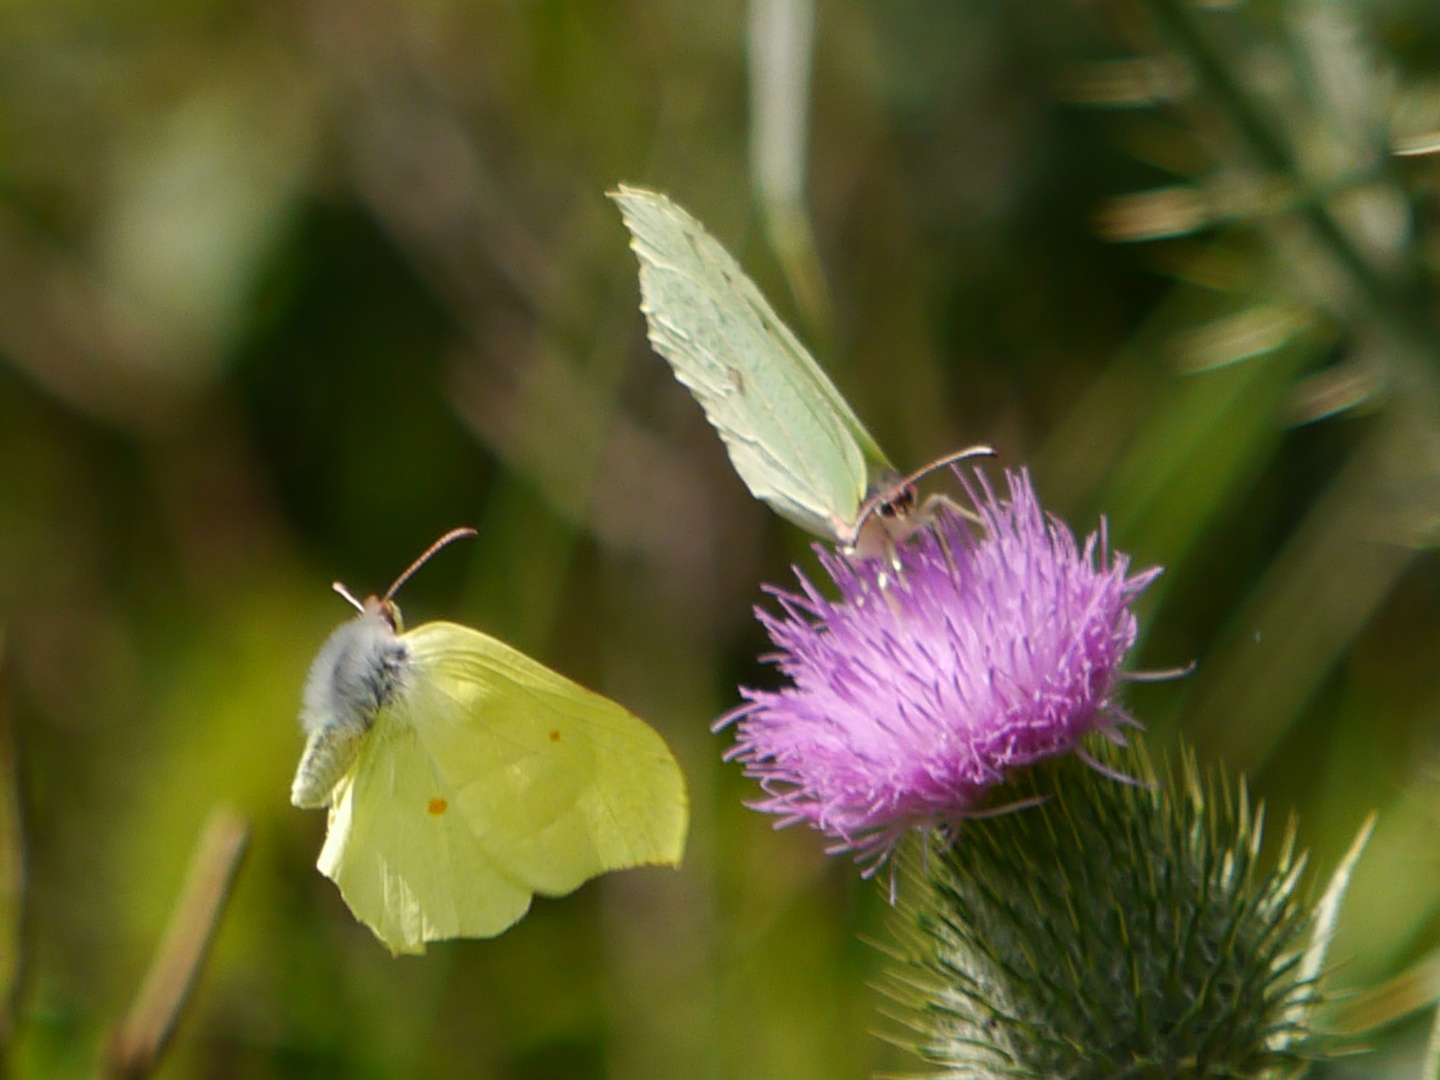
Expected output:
(453, 534)
(958, 456)
(875, 502)
(340, 588)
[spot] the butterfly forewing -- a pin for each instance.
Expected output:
(557, 783)
(790, 434)
(407, 864)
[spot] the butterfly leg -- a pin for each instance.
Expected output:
(927, 512)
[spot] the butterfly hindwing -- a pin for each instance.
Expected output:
(790, 434)
(557, 784)
(406, 862)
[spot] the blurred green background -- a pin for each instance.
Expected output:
(288, 288)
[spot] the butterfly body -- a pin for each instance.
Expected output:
(462, 777)
(358, 671)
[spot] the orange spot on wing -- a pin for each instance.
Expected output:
(438, 806)
(554, 736)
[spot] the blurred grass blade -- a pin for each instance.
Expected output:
(136, 1047)
(1211, 265)
(1350, 384)
(781, 43)
(1312, 602)
(607, 475)
(781, 38)
(12, 864)
(1413, 989)
(1242, 336)
(1417, 145)
(1346, 80)
(1126, 84)
(1431, 1069)
(1322, 928)
(196, 203)
(1335, 571)
(1153, 215)
(1415, 120)
(62, 328)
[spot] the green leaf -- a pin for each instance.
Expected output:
(12, 871)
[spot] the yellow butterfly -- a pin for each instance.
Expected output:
(463, 777)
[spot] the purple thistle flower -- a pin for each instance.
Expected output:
(936, 674)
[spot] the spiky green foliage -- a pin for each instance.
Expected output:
(1113, 930)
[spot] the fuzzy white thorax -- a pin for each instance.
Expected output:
(357, 672)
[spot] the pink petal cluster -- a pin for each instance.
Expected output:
(934, 676)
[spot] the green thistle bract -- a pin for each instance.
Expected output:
(1112, 931)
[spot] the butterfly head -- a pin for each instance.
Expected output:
(381, 607)
(384, 607)
(897, 502)
(891, 510)
(388, 610)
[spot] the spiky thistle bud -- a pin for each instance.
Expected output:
(1112, 930)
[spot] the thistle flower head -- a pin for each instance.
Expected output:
(937, 673)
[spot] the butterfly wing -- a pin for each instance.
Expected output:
(790, 434)
(407, 864)
(557, 784)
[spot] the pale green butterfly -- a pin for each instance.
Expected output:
(462, 777)
(791, 436)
